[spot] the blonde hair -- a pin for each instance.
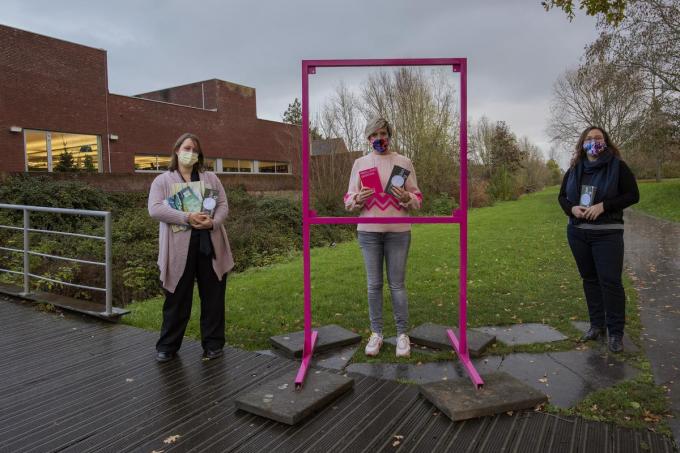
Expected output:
(376, 123)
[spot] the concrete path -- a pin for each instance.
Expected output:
(653, 260)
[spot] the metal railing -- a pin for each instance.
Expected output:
(27, 252)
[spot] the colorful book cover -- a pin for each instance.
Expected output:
(191, 201)
(397, 179)
(370, 178)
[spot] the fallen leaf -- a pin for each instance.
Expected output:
(171, 439)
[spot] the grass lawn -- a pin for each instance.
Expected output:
(520, 270)
(660, 199)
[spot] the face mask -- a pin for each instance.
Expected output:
(380, 144)
(187, 158)
(594, 148)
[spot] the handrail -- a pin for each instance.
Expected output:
(27, 209)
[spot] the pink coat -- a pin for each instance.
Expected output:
(174, 247)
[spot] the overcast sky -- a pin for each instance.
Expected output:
(515, 50)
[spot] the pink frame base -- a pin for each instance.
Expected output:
(459, 216)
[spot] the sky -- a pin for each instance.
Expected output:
(515, 49)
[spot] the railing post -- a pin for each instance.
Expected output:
(27, 226)
(109, 289)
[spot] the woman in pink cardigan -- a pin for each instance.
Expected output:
(196, 251)
(388, 244)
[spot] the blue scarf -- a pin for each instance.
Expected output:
(605, 171)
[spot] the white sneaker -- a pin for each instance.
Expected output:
(403, 346)
(374, 343)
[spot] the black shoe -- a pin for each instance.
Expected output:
(593, 334)
(615, 344)
(212, 354)
(164, 356)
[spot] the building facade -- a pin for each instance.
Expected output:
(57, 116)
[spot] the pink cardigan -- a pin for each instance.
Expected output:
(174, 247)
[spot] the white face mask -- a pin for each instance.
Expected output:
(187, 158)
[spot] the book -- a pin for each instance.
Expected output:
(587, 196)
(370, 178)
(186, 197)
(397, 179)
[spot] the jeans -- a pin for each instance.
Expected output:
(599, 257)
(392, 249)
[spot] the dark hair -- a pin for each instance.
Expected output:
(198, 166)
(580, 153)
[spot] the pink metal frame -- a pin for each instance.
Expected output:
(459, 215)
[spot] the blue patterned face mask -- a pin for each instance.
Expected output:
(594, 148)
(380, 144)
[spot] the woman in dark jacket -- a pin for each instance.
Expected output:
(595, 190)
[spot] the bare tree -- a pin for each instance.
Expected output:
(648, 41)
(597, 93)
(341, 117)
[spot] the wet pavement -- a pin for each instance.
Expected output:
(653, 260)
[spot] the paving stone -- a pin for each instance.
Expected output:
(517, 334)
(329, 337)
(628, 345)
(566, 377)
(336, 359)
(278, 400)
(460, 400)
(435, 336)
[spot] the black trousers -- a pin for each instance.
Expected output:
(599, 257)
(177, 305)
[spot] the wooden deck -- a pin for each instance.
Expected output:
(68, 383)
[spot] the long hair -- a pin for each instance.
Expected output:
(580, 153)
(198, 166)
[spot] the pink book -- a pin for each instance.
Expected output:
(371, 179)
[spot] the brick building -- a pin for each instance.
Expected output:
(57, 116)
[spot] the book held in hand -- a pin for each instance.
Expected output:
(587, 196)
(370, 178)
(397, 179)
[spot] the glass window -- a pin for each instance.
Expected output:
(145, 162)
(163, 162)
(267, 167)
(36, 151)
(230, 165)
(209, 163)
(246, 166)
(60, 151)
(148, 162)
(282, 167)
(74, 152)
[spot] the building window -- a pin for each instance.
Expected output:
(273, 167)
(60, 151)
(237, 166)
(149, 162)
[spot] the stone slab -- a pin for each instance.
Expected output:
(460, 400)
(336, 359)
(628, 345)
(566, 377)
(329, 337)
(434, 336)
(278, 400)
(518, 334)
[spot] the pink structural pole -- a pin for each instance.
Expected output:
(458, 216)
